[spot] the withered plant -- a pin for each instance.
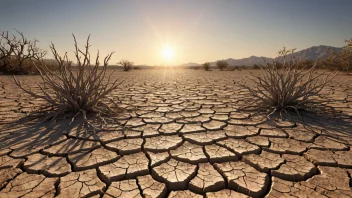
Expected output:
(285, 85)
(74, 90)
(341, 60)
(222, 64)
(17, 53)
(206, 66)
(127, 65)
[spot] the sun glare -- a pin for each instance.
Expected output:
(168, 53)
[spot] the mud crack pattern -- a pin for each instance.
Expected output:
(181, 136)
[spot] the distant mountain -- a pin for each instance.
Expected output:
(250, 61)
(315, 52)
(189, 64)
(312, 53)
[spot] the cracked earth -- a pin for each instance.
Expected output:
(182, 135)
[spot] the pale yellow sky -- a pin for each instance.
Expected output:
(197, 30)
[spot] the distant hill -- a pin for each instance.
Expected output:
(315, 52)
(312, 53)
(189, 64)
(250, 61)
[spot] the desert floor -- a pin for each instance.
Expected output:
(181, 135)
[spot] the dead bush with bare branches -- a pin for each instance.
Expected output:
(286, 86)
(126, 64)
(18, 53)
(342, 60)
(72, 92)
(222, 64)
(206, 66)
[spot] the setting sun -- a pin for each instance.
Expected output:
(168, 53)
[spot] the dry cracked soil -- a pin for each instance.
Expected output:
(182, 134)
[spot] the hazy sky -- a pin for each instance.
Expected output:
(197, 30)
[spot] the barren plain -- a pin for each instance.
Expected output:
(181, 135)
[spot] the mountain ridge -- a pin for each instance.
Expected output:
(311, 53)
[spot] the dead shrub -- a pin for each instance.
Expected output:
(17, 54)
(222, 64)
(342, 60)
(72, 91)
(206, 66)
(286, 86)
(255, 66)
(127, 65)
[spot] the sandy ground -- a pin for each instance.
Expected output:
(181, 136)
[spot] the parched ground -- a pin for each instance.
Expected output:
(180, 136)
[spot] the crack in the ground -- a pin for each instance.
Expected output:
(57, 187)
(188, 100)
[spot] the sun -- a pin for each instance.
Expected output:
(168, 53)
